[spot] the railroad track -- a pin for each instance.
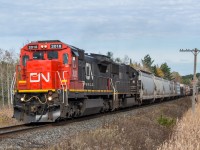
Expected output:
(10, 130)
(14, 130)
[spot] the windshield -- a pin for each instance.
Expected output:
(52, 55)
(41, 55)
(38, 55)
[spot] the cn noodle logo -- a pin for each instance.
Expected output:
(36, 77)
(88, 70)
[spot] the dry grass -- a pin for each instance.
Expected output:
(187, 133)
(139, 131)
(6, 119)
(118, 135)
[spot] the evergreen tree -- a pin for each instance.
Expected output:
(154, 70)
(166, 70)
(110, 54)
(148, 62)
(186, 81)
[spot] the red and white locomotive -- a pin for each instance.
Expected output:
(55, 80)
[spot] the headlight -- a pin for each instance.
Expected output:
(50, 98)
(22, 99)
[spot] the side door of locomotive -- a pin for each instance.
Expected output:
(65, 67)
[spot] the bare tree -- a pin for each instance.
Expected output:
(126, 60)
(8, 62)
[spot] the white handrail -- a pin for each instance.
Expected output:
(114, 94)
(112, 85)
(66, 88)
(62, 85)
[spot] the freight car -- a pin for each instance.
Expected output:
(55, 80)
(185, 90)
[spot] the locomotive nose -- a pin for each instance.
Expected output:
(42, 74)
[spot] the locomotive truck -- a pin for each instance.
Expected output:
(55, 80)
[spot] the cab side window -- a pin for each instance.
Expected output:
(25, 58)
(65, 58)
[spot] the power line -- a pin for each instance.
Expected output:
(195, 52)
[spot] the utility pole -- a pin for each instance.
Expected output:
(195, 52)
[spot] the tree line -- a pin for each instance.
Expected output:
(147, 64)
(8, 61)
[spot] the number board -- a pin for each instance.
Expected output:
(33, 47)
(56, 46)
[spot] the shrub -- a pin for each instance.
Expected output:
(166, 121)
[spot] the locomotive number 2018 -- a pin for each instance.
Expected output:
(56, 46)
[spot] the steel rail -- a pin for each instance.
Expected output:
(10, 130)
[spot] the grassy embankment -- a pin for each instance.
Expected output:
(146, 129)
(186, 135)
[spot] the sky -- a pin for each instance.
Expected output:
(125, 27)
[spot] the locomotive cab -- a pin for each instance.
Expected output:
(43, 80)
(41, 64)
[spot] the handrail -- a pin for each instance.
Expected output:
(114, 94)
(61, 85)
(112, 85)
(66, 89)
(63, 89)
(12, 88)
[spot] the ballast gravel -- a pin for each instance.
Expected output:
(47, 137)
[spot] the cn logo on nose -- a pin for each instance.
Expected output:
(36, 77)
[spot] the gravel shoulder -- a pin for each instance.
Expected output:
(139, 127)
